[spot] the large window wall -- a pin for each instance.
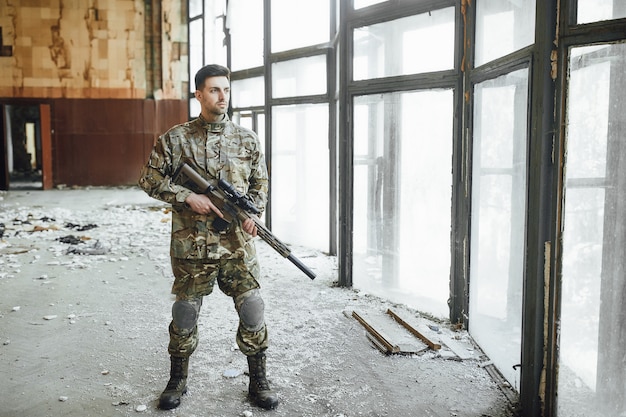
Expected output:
(463, 158)
(499, 179)
(498, 218)
(402, 159)
(593, 327)
(402, 196)
(279, 88)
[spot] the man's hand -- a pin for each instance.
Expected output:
(249, 226)
(202, 204)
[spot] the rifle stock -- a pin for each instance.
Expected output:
(232, 207)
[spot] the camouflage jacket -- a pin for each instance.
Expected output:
(214, 150)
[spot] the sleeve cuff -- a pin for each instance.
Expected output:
(182, 195)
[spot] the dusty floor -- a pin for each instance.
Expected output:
(85, 334)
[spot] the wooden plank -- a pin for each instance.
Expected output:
(390, 334)
(414, 331)
(456, 347)
(377, 343)
(381, 338)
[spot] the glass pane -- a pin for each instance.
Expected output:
(359, 4)
(592, 359)
(498, 219)
(248, 92)
(195, 8)
(245, 21)
(260, 120)
(195, 50)
(194, 108)
(299, 77)
(244, 119)
(502, 27)
(596, 10)
(300, 175)
(296, 24)
(411, 45)
(402, 197)
(215, 49)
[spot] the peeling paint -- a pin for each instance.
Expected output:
(466, 41)
(554, 64)
(547, 257)
(59, 52)
(86, 49)
(91, 15)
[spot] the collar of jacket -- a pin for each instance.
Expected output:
(213, 127)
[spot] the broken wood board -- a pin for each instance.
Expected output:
(390, 336)
(377, 344)
(413, 329)
(457, 347)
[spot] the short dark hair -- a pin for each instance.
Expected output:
(212, 70)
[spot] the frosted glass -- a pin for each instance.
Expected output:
(195, 50)
(300, 175)
(359, 4)
(592, 361)
(195, 8)
(247, 92)
(243, 119)
(296, 24)
(596, 10)
(498, 219)
(299, 77)
(503, 27)
(245, 21)
(214, 45)
(403, 198)
(194, 108)
(410, 45)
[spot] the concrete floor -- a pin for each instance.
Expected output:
(86, 334)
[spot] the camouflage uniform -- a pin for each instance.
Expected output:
(201, 255)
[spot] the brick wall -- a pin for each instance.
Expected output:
(90, 48)
(113, 71)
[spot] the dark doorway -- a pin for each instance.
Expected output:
(22, 147)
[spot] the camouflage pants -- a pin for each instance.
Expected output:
(195, 279)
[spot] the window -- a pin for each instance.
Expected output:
(299, 77)
(592, 345)
(245, 22)
(409, 45)
(498, 219)
(359, 4)
(300, 174)
(402, 197)
(248, 92)
(502, 27)
(596, 10)
(296, 24)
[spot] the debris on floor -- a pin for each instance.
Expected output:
(95, 249)
(392, 334)
(387, 335)
(93, 328)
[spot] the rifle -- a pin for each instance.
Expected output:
(234, 205)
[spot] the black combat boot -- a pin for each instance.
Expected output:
(259, 389)
(177, 385)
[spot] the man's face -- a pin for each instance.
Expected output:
(214, 97)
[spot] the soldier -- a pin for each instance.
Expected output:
(215, 147)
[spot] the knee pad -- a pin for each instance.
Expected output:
(251, 308)
(185, 313)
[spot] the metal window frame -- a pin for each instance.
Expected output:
(555, 32)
